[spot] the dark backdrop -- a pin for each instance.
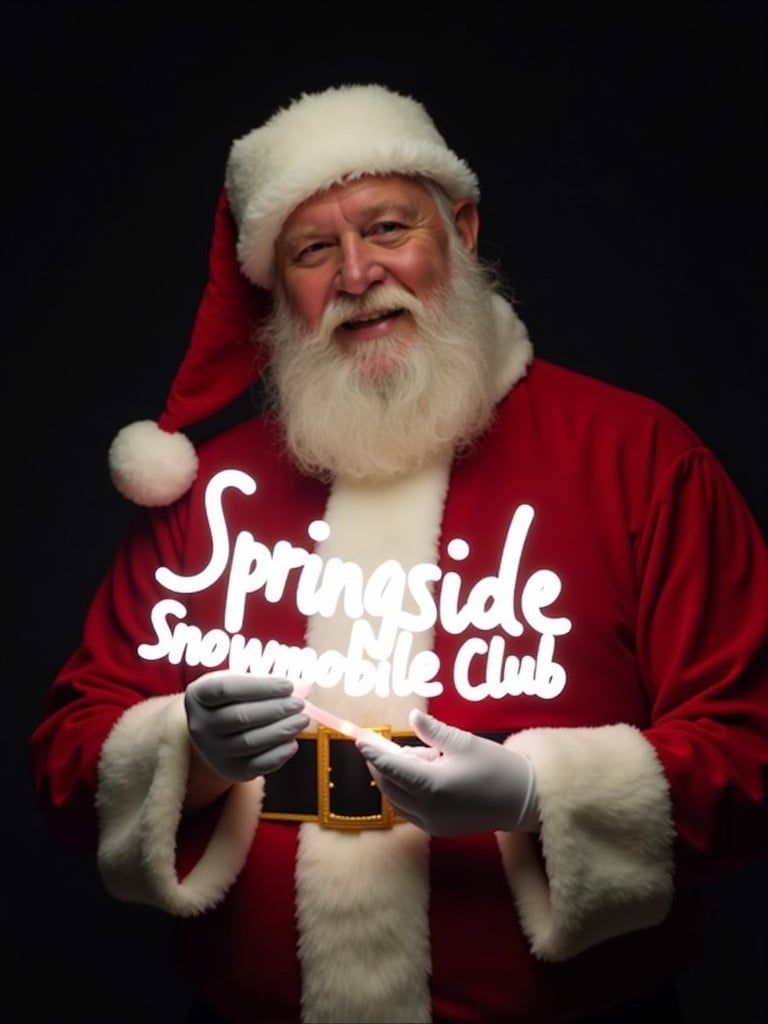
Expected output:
(620, 153)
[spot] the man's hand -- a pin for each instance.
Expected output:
(456, 785)
(242, 725)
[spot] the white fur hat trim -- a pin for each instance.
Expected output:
(322, 138)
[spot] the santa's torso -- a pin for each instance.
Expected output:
(528, 620)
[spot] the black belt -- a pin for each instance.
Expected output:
(328, 782)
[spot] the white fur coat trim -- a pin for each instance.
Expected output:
(360, 894)
(606, 837)
(142, 783)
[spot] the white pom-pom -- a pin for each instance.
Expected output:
(150, 466)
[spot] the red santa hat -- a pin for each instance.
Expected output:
(319, 139)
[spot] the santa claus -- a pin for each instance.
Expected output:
(542, 590)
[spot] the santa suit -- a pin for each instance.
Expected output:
(586, 582)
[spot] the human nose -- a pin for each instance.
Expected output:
(359, 266)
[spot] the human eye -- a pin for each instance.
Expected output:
(386, 226)
(311, 252)
(387, 230)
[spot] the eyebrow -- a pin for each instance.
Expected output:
(405, 210)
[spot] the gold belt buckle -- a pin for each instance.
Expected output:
(386, 817)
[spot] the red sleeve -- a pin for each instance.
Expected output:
(702, 636)
(101, 679)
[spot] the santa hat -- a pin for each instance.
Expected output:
(319, 139)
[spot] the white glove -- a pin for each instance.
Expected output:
(243, 725)
(458, 784)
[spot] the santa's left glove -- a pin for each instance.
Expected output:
(457, 783)
(243, 725)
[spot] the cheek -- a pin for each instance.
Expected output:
(426, 270)
(306, 299)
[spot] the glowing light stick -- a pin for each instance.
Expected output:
(342, 725)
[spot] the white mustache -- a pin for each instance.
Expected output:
(381, 299)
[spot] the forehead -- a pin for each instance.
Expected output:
(362, 194)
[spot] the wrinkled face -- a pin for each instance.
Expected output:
(382, 333)
(340, 250)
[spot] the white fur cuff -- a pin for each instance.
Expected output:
(606, 834)
(142, 782)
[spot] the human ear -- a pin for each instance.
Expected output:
(467, 219)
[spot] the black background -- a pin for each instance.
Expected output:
(620, 154)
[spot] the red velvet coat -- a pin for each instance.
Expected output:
(622, 632)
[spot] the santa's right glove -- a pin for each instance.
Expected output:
(243, 725)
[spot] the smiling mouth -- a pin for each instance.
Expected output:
(371, 318)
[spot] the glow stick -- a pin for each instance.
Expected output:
(343, 725)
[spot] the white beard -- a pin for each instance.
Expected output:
(341, 414)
